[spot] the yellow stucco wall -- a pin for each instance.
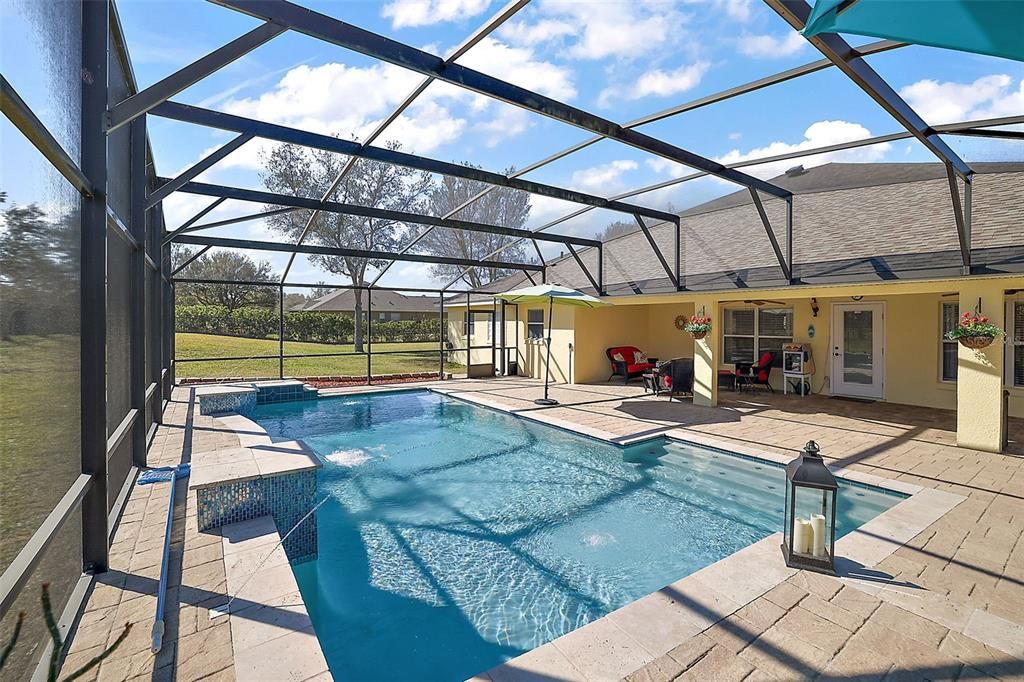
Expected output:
(533, 352)
(912, 339)
(601, 328)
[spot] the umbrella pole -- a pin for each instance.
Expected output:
(547, 365)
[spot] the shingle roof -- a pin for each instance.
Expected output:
(850, 222)
(344, 300)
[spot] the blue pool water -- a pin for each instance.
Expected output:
(456, 537)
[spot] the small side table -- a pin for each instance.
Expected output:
(652, 382)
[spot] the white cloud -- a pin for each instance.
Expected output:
(736, 9)
(596, 30)
(349, 101)
(735, 136)
(405, 13)
(604, 179)
(950, 102)
(819, 134)
(768, 46)
(522, 33)
(508, 122)
(659, 83)
(665, 166)
(519, 66)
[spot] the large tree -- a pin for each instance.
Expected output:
(501, 206)
(290, 169)
(39, 254)
(227, 265)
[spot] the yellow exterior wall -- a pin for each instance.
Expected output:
(600, 328)
(533, 352)
(979, 417)
(664, 340)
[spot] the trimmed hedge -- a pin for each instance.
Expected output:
(260, 323)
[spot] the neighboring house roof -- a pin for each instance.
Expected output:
(344, 300)
(851, 222)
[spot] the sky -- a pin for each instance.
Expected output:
(619, 59)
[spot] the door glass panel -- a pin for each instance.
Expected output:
(858, 362)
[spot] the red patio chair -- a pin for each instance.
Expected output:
(628, 368)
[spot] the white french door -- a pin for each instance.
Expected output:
(858, 350)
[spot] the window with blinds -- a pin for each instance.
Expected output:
(748, 332)
(1016, 339)
(535, 324)
(947, 347)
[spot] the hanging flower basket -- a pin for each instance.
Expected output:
(976, 342)
(974, 331)
(698, 326)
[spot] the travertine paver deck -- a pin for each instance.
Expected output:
(964, 574)
(195, 647)
(948, 604)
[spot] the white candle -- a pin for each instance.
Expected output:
(801, 535)
(818, 529)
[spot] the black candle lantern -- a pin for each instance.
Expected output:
(810, 533)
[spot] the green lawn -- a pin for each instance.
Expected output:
(414, 357)
(40, 442)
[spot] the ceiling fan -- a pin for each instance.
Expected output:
(760, 302)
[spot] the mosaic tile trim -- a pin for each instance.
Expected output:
(242, 403)
(281, 394)
(286, 498)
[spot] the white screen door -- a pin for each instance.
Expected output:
(858, 353)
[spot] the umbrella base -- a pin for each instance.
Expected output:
(545, 401)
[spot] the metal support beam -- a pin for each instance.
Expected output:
(373, 45)
(752, 86)
(963, 233)
(355, 253)
(441, 334)
(141, 102)
(840, 53)
(657, 251)
(242, 219)
(497, 20)
(188, 261)
(679, 254)
(280, 332)
(771, 235)
(279, 133)
(579, 261)
(369, 212)
(95, 529)
(137, 295)
(25, 120)
(369, 335)
(789, 237)
(982, 132)
(188, 223)
(170, 186)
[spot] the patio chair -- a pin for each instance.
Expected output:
(676, 376)
(755, 375)
(628, 368)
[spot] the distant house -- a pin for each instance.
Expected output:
(388, 306)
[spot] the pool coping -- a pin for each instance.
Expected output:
(639, 632)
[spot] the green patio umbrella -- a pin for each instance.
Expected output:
(992, 27)
(551, 294)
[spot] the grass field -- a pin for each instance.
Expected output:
(261, 354)
(40, 444)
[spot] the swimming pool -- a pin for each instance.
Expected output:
(457, 537)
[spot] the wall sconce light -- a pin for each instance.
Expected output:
(856, 298)
(814, 306)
